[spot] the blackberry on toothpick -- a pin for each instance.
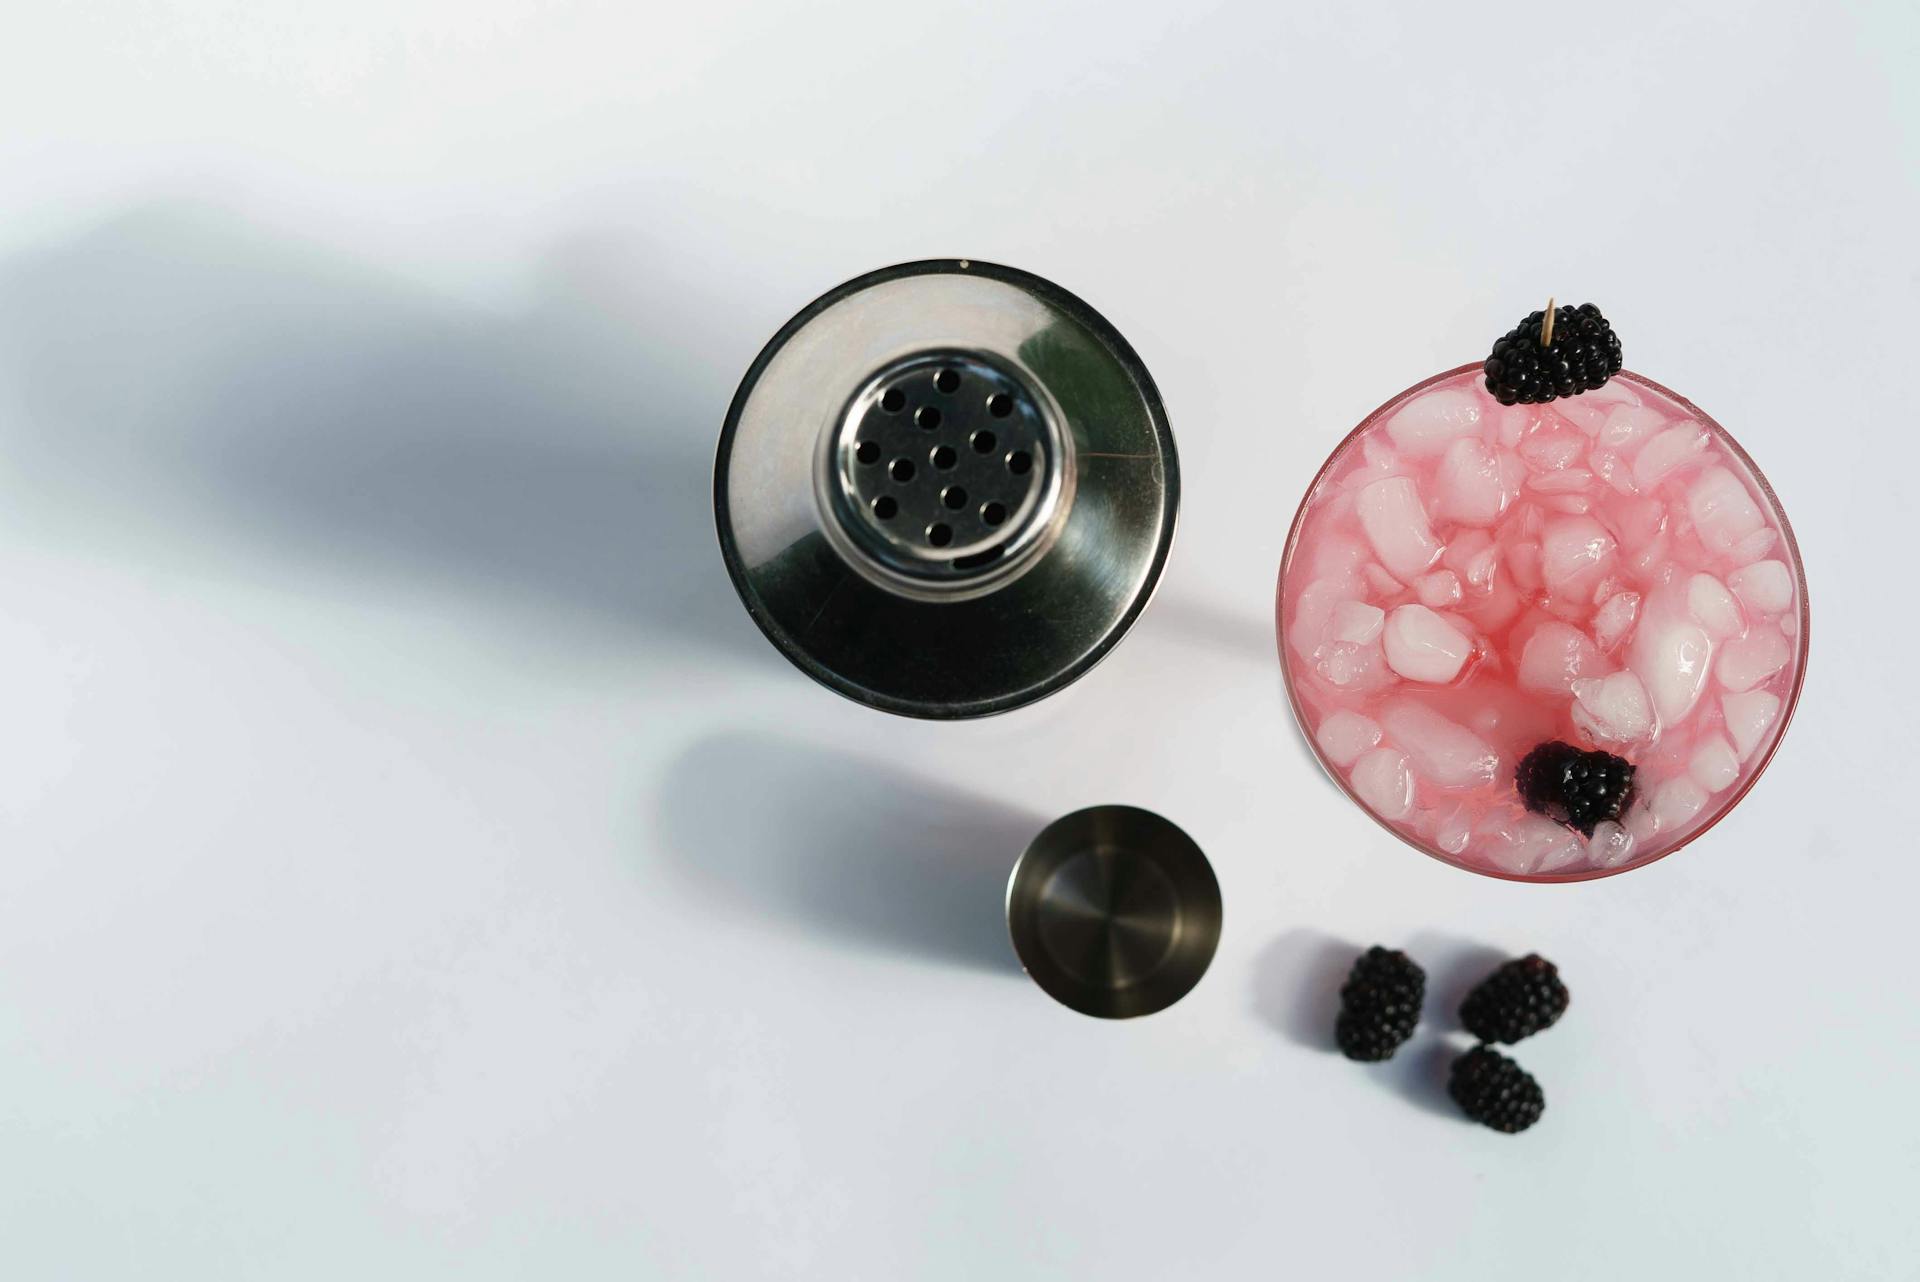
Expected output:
(1550, 354)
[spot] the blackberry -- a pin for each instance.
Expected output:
(1494, 1091)
(1585, 353)
(1518, 1000)
(1576, 788)
(1379, 1004)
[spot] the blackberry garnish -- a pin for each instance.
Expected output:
(1584, 353)
(1577, 788)
(1518, 1000)
(1494, 1091)
(1379, 1004)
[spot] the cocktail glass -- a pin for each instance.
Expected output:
(1465, 580)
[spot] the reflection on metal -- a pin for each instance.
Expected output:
(1114, 912)
(946, 489)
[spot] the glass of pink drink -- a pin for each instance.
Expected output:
(1465, 581)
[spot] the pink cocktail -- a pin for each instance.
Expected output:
(1466, 581)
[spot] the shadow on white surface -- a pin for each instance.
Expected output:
(1296, 985)
(179, 364)
(1244, 638)
(1418, 1074)
(1453, 965)
(1231, 634)
(846, 848)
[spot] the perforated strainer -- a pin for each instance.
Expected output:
(946, 489)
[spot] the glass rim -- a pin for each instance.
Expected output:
(1727, 803)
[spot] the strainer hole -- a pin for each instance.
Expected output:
(999, 405)
(1019, 462)
(902, 470)
(946, 381)
(884, 507)
(993, 513)
(868, 452)
(984, 441)
(954, 497)
(939, 534)
(944, 457)
(893, 400)
(927, 417)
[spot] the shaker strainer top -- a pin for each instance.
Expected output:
(946, 488)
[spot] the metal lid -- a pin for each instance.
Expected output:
(1114, 912)
(946, 488)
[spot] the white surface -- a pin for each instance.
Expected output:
(416, 865)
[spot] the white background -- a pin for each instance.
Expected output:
(414, 864)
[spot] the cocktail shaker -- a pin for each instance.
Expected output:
(946, 489)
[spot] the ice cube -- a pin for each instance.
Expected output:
(1428, 423)
(1439, 589)
(1312, 613)
(1352, 667)
(1571, 504)
(1613, 709)
(1640, 521)
(1667, 452)
(1575, 551)
(1613, 392)
(1422, 646)
(1528, 843)
(1614, 619)
(1471, 555)
(1497, 608)
(1611, 586)
(1378, 581)
(1639, 821)
(1479, 569)
(1610, 846)
(1515, 422)
(1766, 586)
(1523, 563)
(1747, 661)
(1356, 621)
(1471, 485)
(1714, 764)
(1677, 800)
(1567, 481)
(1554, 655)
(1588, 418)
(1753, 547)
(1613, 469)
(1723, 512)
(1344, 735)
(1381, 460)
(1336, 558)
(1453, 831)
(1713, 607)
(1551, 451)
(1564, 850)
(1566, 609)
(1749, 717)
(1443, 753)
(1628, 425)
(1383, 784)
(1789, 625)
(1670, 656)
(1396, 525)
(1495, 841)
(1649, 562)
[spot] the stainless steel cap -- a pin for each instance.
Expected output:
(1114, 911)
(946, 489)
